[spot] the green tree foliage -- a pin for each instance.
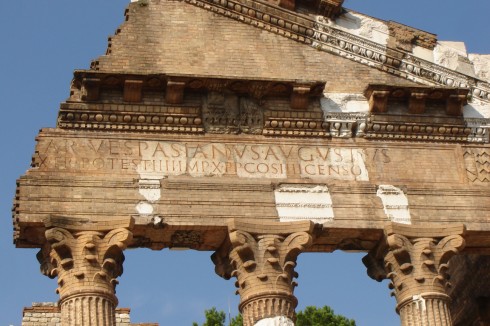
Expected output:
(237, 321)
(213, 318)
(313, 316)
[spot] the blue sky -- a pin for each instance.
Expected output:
(42, 42)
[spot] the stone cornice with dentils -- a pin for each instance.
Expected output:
(318, 34)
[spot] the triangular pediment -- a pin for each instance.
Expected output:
(250, 39)
(185, 38)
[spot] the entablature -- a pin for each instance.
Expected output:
(180, 189)
(87, 84)
(205, 105)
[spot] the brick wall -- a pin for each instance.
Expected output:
(176, 37)
(48, 314)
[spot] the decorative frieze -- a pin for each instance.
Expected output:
(477, 164)
(437, 115)
(297, 124)
(398, 130)
(346, 125)
(175, 87)
(231, 114)
(480, 130)
(179, 119)
(227, 106)
(241, 107)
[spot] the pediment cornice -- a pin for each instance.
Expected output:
(90, 82)
(249, 113)
(317, 32)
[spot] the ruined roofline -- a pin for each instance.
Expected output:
(387, 21)
(377, 48)
(402, 40)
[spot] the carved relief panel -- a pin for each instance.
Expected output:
(477, 164)
(232, 114)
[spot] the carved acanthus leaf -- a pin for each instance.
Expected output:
(375, 267)
(46, 266)
(90, 259)
(295, 244)
(419, 264)
(264, 267)
(118, 237)
(448, 247)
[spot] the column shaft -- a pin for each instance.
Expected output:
(425, 310)
(88, 310)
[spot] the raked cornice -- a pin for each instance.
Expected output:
(315, 32)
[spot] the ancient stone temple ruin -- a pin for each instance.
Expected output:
(258, 130)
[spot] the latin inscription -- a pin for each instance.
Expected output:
(155, 159)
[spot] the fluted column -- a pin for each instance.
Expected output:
(87, 258)
(262, 257)
(415, 259)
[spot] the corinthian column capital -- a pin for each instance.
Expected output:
(87, 257)
(262, 257)
(416, 261)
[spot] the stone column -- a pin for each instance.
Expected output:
(87, 258)
(262, 256)
(415, 259)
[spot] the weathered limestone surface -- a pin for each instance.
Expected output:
(190, 183)
(260, 130)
